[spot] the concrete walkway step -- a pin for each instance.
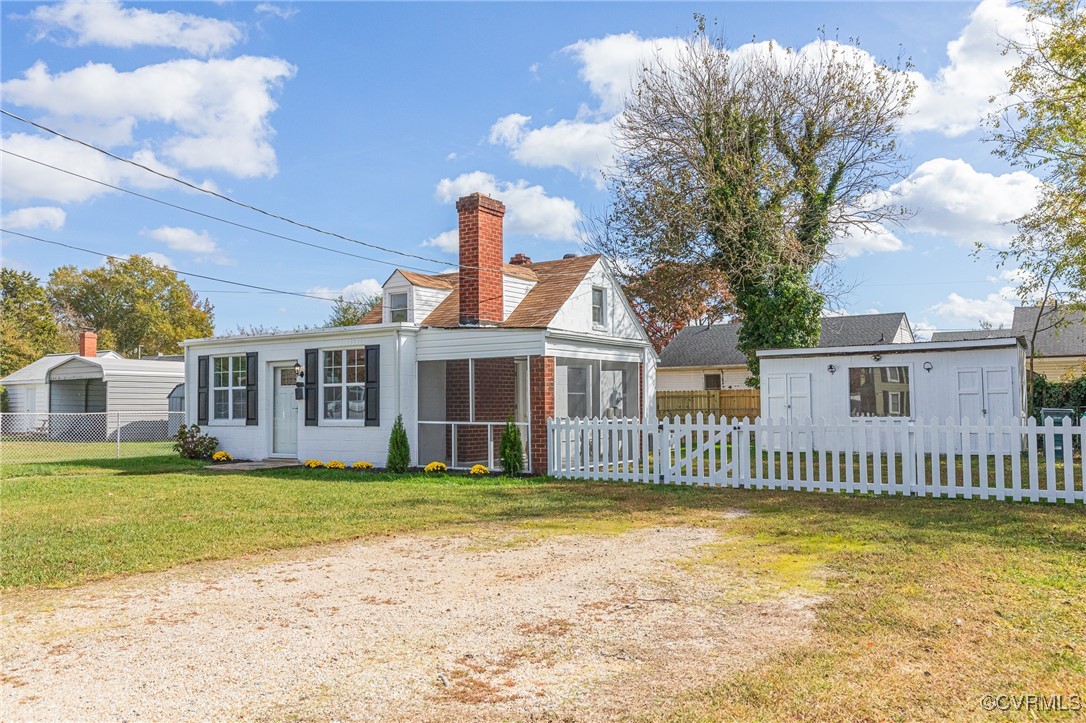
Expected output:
(252, 466)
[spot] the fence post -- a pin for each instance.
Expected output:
(117, 419)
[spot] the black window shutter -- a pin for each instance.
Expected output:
(373, 385)
(250, 388)
(202, 364)
(312, 368)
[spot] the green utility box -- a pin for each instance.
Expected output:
(1058, 417)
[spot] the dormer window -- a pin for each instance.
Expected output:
(599, 306)
(397, 307)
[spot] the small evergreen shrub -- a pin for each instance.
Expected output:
(362, 466)
(191, 444)
(510, 450)
(336, 464)
(399, 449)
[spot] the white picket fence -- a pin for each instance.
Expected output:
(1007, 461)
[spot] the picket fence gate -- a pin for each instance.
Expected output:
(955, 458)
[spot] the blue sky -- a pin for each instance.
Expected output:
(370, 119)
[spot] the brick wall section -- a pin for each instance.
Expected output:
(481, 258)
(541, 395)
(495, 400)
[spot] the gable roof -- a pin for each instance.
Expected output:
(112, 365)
(555, 281)
(1061, 332)
(718, 344)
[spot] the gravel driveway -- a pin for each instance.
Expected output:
(482, 626)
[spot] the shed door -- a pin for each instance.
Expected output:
(776, 386)
(788, 396)
(998, 399)
(970, 394)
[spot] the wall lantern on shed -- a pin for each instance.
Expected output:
(928, 367)
(831, 369)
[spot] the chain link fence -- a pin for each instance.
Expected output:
(31, 437)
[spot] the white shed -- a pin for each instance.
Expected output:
(980, 380)
(104, 382)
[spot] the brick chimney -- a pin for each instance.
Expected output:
(520, 260)
(481, 258)
(88, 344)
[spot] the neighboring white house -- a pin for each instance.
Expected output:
(90, 381)
(708, 357)
(457, 354)
(981, 380)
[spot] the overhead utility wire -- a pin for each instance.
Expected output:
(248, 206)
(183, 273)
(211, 216)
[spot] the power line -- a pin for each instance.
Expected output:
(183, 273)
(208, 215)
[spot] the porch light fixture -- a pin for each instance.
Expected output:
(831, 369)
(299, 388)
(928, 367)
(299, 370)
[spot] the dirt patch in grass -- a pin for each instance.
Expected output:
(579, 626)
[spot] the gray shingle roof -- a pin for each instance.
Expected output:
(717, 345)
(1063, 335)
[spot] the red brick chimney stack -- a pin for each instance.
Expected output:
(88, 344)
(520, 260)
(481, 257)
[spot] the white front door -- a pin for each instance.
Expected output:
(284, 412)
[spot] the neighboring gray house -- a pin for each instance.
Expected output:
(90, 381)
(708, 357)
(1061, 341)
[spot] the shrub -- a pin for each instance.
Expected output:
(314, 463)
(510, 450)
(399, 449)
(191, 444)
(479, 469)
(222, 456)
(336, 464)
(436, 468)
(362, 465)
(3, 399)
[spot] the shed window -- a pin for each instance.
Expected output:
(712, 381)
(229, 387)
(343, 383)
(397, 306)
(879, 392)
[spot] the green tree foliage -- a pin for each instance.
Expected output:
(1058, 395)
(399, 448)
(750, 167)
(27, 327)
(510, 449)
(350, 312)
(140, 304)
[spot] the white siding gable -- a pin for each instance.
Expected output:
(514, 289)
(576, 313)
(420, 300)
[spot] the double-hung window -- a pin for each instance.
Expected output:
(343, 384)
(229, 387)
(599, 306)
(397, 307)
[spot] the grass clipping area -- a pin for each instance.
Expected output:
(927, 605)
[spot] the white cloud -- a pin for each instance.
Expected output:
(32, 217)
(956, 100)
(178, 238)
(950, 198)
(107, 23)
(286, 12)
(582, 147)
(996, 308)
(530, 210)
(447, 241)
(858, 242)
(219, 108)
(160, 259)
(358, 290)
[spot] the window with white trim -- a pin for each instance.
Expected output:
(343, 384)
(599, 306)
(397, 307)
(228, 387)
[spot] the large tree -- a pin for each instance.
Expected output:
(144, 307)
(27, 327)
(750, 165)
(350, 312)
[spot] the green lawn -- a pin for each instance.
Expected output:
(927, 604)
(22, 450)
